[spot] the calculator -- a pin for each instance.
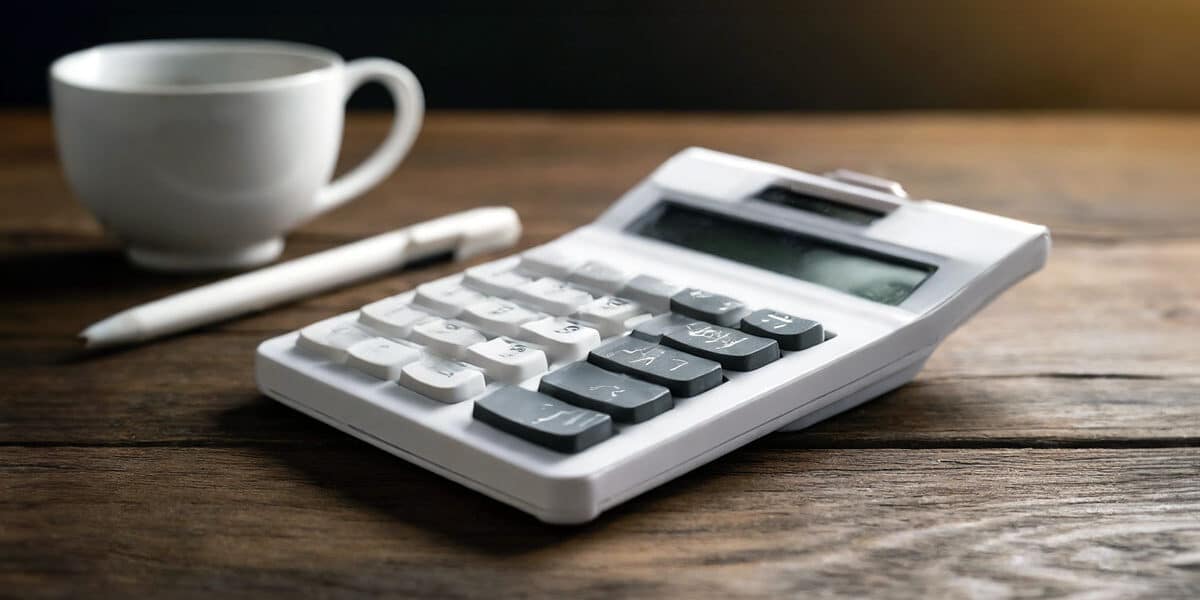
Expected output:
(719, 300)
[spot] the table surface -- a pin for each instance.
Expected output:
(1049, 446)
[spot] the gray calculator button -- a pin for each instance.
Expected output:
(792, 332)
(651, 292)
(652, 330)
(684, 374)
(543, 420)
(707, 306)
(624, 398)
(735, 350)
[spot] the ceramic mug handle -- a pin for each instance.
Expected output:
(409, 112)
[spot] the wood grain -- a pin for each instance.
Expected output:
(349, 520)
(1048, 448)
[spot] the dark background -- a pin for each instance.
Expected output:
(922, 54)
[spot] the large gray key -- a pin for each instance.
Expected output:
(543, 420)
(707, 306)
(628, 400)
(685, 375)
(735, 350)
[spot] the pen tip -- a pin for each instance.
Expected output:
(112, 331)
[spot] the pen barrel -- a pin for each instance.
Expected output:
(272, 285)
(465, 234)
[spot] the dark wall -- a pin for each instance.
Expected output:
(739, 55)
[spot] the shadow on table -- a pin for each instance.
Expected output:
(84, 274)
(389, 486)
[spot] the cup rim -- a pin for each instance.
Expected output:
(60, 69)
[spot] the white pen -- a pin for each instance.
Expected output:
(463, 234)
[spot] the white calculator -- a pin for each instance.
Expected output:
(719, 300)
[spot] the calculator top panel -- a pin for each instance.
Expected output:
(956, 245)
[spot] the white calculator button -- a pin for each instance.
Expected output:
(443, 380)
(381, 357)
(447, 298)
(446, 337)
(599, 276)
(497, 279)
(498, 316)
(553, 296)
(331, 337)
(508, 360)
(608, 314)
(563, 339)
(391, 316)
(651, 292)
(548, 262)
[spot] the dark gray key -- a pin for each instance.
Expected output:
(792, 332)
(685, 375)
(735, 350)
(707, 306)
(626, 399)
(543, 420)
(652, 330)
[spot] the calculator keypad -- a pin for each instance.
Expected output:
(511, 321)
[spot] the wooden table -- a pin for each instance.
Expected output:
(1049, 447)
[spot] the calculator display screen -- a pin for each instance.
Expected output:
(866, 274)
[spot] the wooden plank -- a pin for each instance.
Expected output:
(349, 521)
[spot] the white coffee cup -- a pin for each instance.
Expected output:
(201, 154)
